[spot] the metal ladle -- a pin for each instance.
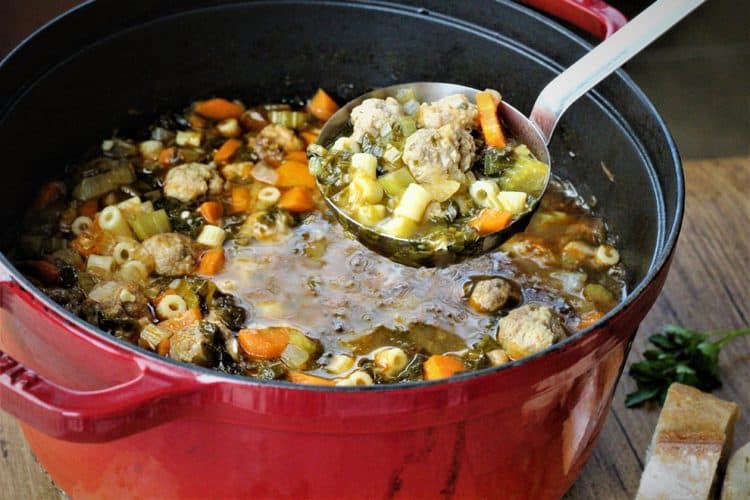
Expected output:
(535, 131)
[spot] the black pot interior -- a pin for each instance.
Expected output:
(267, 51)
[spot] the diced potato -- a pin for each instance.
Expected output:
(363, 190)
(398, 226)
(345, 144)
(189, 138)
(364, 165)
(212, 236)
(512, 201)
(413, 203)
(369, 215)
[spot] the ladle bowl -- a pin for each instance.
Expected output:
(534, 131)
(416, 252)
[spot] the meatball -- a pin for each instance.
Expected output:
(118, 300)
(454, 110)
(529, 329)
(375, 117)
(173, 253)
(280, 136)
(193, 344)
(192, 180)
(491, 295)
(439, 158)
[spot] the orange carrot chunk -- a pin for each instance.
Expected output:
(294, 173)
(227, 150)
(493, 133)
(218, 109)
(297, 199)
(299, 156)
(168, 157)
(304, 378)
(47, 272)
(589, 319)
(322, 106)
(185, 319)
(265, 343)
(241, 200)
(490, 220)
(309, 137)
(196, 121)
(89, 208)
(212, 262)
(163, 347)
(440, 366)
(212, 211)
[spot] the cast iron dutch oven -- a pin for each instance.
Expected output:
(106, 418)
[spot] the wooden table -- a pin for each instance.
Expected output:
(706, 289)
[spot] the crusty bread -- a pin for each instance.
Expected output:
(737, 481)
(689, 447)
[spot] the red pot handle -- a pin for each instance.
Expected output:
(595, 16)
(150, 397)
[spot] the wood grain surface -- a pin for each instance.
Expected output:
(707, 289)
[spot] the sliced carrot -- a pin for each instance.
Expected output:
(322, 106)
(89, 208)
(47, 272)
(294, 173)
(299, 156)
(227, 150)
(241, 199)
(168, 157)
(265, 343)
(309, 137)
(297, 199)
(589, 319)
(48, 193)
(218, 109)
(212, 211)
(493, 133)
(91, 241)
(490, 220)
(163, 347)
(196, 121)
(212, 262)
(185, 319)
(441, 366)
(304, 378)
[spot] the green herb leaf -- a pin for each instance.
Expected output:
(681, 355)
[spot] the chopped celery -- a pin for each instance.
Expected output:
(408, 126)
(396, 182)
(406, 95)
(287, 118)
(97, 185)
(300, 350)
(187, 293)
(147, 224)
(496, 161)
(303, 342)
(527, 174)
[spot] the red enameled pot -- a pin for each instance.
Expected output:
(108, 419)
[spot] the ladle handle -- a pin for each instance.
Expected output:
(604, 59)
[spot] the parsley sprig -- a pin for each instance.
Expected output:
(681, 355)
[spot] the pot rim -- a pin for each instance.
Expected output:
(665, 244)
